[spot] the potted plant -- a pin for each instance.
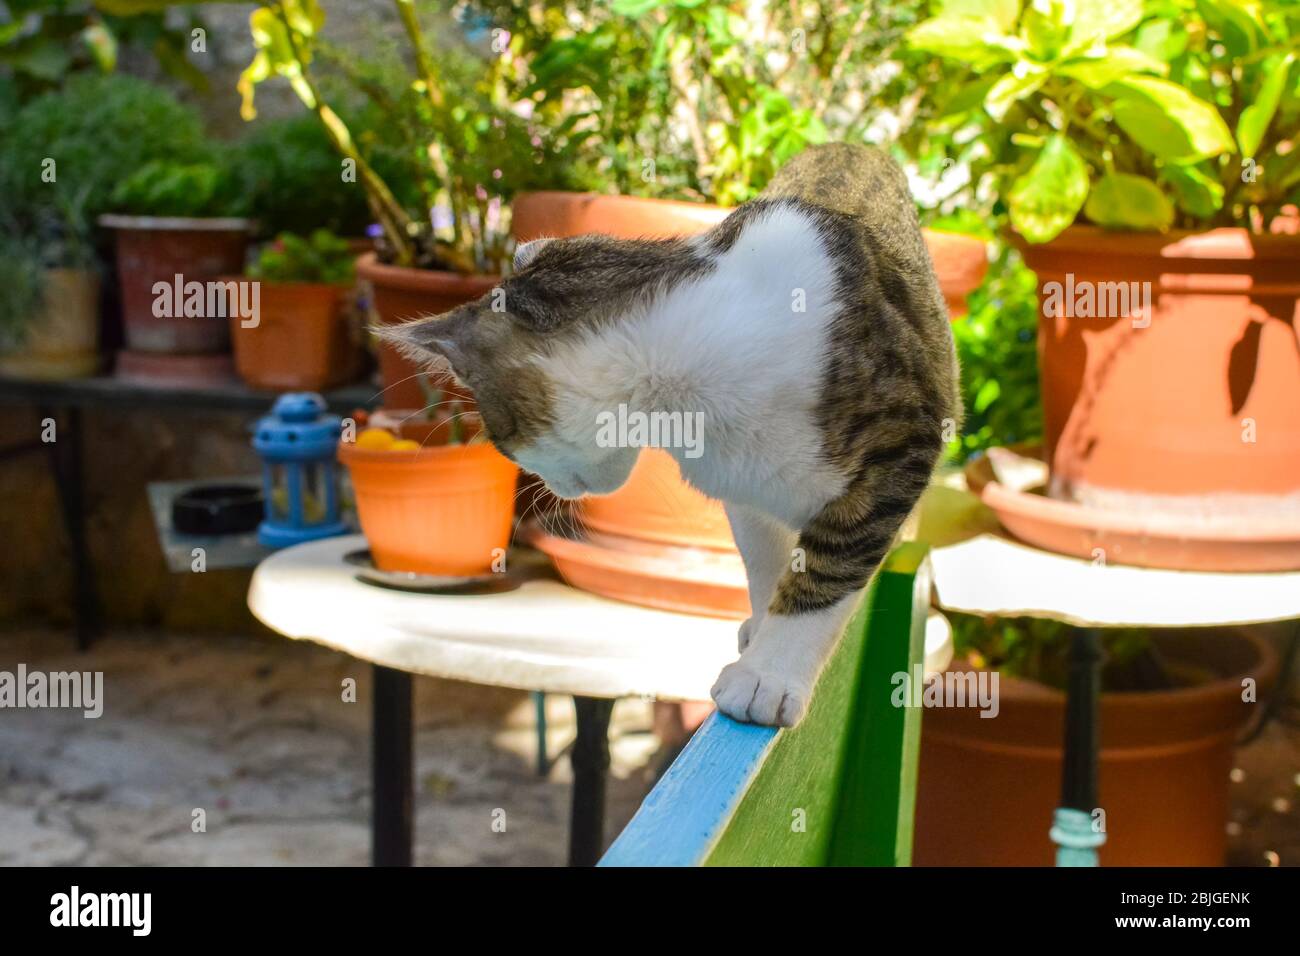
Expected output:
(49, 314)
(468, 146)
(65, 152)
(177, 227)
(433, 509)
(1173, 704)
(302, 338)
(1145, 157)
(743, 117)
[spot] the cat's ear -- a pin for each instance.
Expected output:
(530, 304)
(526, 252)
(431, 340)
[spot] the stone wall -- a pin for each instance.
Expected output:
(124, 451)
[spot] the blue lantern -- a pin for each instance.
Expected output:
(297, 444)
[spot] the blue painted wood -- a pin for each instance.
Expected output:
(687, 811)
(848, 771)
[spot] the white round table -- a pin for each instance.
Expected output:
(540, 636)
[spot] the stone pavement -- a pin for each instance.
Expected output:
(254, 732)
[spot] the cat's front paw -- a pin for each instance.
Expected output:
(760, 695)
(747, 632)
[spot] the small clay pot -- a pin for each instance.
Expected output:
(153, 249)
(443, 511)
(302, 340)
(62, 339)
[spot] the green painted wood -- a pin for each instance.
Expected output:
(795, 811)
(877, 798)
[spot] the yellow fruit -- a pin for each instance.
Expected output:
(375, 439)
(405, 444)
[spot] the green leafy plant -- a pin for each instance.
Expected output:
(998, 350)
(1130, 114)
(59, 237)
(44, 42)
(320, 257)
(294, 177)
(706, 100)
(70, 148)
(168, 188)
(456, 114)
(21, 276)
(1038, 650)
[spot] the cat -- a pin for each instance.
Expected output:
(808, 334)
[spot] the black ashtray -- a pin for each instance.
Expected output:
(217, 509)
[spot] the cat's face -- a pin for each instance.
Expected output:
(521, 348)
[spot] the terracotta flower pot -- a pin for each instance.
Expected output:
(62, 340)
(1189, 406)
(442, 510)
(151, 250)
(402, 293)
(988, 786)
(302, 340)
(655, 504)
(959, 261)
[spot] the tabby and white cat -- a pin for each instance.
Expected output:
(808, 330)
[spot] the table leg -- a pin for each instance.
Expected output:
(66, 457)
(1073, 831)
(392, 812)
(590, 759)
(539, 712)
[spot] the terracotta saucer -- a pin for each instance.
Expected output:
(669, 577)
(1142, 539)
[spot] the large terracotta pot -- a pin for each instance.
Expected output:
(302, 340)
(1191, 407)
(655, 504)
(401, 293)
(959, 261)
(158, 249)
(62, 339)
(988, 786)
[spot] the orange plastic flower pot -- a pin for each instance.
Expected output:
(443, 510)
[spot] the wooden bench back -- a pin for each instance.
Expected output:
(837, 790)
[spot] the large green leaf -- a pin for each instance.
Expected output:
(1195, 191)
(1238, 23)
(1256, 117)
(1014, 86)
(1168, 121)
(1125, 201)
(1105, 19)
(1002, 12)
(1046, 27)
(974, 40)
(1116, 63)
(1047, 198)
(1163, 39)
(969, 97)
(635, 8)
